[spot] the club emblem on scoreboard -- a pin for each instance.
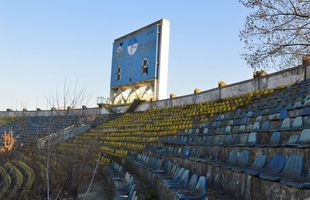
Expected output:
(132, 46)
(119, 49)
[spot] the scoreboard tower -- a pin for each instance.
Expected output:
(140, 64)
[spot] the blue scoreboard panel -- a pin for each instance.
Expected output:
(135, 57)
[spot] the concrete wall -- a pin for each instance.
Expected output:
(120, 109)
(284, 77)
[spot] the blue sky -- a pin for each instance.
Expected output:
(45, 43)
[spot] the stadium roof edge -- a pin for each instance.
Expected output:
(140, 29)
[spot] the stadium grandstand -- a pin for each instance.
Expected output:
(247, 140)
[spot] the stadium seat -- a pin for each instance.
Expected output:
(304, 139)
(297, 105)
(256, 126)
(283, 114)
(227, 140)
(275, 139)
(178, 183)
(297, 123)
(176, 176)
(302, 182)
(241, 129)
(257, 165)
(273, 168)
(242, 161)
(291, 170)
(292, 141)
(286, 124)
(228, 129)
(199, 192)
(307, 101)
(186, 153)
(232, 159)
(252, 139)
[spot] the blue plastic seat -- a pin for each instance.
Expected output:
(198, 194)
(306, 122)
(256, 126)
(190, 186)
(212, 159)
(166, 168)
(193, 130)
(227, 140)
(227, 129)
(178, 151)
(123, 187)
(297, 123)
(257, 113)
(235, 139)
(177, 176)
(197, 141)
(283, 114)
(195, 153)
(180, 183)
(238, 111)
(153, 164)
(265, 126)
(232, 159)
(182, 174)
(170, 174)
(302, 182)
(209, 141)
(204, 140)
(257, 165)
(252, 139)
(307, 101)
(243, 140)
(292, 140)
(125, 194)
(304, 139)
(244, 121)
(241, 129)
(286, 124)
(273, 168)
(242, 161)
(274, 116)
(218, 140)
(218, 117)
(258, 119)
(190, 140)
(249, 114)
(291, 170)
(306, 111)
(275, 139)
(298, 105)
(186, 153)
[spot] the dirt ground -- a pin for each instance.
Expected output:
(99, 190)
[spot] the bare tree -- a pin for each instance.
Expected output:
(72, 164)
(276, 33)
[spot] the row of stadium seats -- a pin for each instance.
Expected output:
(299, 139)
(30, 127)
(173, 180)
(16, 179)
(124, 184)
